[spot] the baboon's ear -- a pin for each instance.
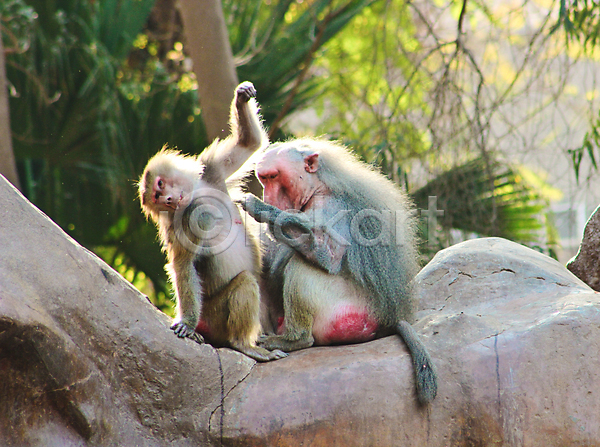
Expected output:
(311, 163)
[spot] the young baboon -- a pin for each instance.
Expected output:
(213, 261)
(344, 252)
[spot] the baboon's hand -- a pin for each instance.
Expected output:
(182, 330)
(245, 91)
(276, 354)
(259, 210)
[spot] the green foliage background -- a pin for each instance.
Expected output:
(93, 96)
(581, 22)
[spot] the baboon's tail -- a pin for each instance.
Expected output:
(425, 375)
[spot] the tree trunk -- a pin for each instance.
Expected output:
(207, 42)
(8, 166)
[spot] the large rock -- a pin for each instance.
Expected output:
(86, 360)
(515, 338)
(586, 263)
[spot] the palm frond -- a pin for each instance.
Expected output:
(488, 199)
(281, 49)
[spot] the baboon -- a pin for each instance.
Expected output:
(213, 263)
(344, 254)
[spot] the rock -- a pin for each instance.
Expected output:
(586, 263)
(85, 360)
(515, 338)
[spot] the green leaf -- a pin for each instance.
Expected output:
(490, 200)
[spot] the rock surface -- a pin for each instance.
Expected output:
(85, 360)
(586, 263)
(515, 338)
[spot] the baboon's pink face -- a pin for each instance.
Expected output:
(160, 192)
(166, 193)
(288, 177)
